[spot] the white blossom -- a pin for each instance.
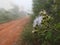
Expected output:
(38, 21)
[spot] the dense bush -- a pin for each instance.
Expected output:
(44, 36)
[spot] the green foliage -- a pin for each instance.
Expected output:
(38, 5)
(9, 15)
(53, 9)
(49, 33)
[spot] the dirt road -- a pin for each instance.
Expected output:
(9, 32)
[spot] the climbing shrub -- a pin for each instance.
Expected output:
(47, 34)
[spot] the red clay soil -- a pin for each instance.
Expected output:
(9, 32)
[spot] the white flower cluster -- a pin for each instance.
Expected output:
(37, 21)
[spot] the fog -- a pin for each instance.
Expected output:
(25, 5)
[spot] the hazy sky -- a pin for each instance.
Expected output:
(23, 4)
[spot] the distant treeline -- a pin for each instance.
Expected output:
(12, 14)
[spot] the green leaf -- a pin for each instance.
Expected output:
(48, 35)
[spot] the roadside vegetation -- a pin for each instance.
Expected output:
(46, 35)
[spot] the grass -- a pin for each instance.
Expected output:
(27, 37)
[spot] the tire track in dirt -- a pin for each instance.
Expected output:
(10, 34)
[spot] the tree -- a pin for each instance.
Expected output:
(53, 9)
(7, 15)
(38, 5)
